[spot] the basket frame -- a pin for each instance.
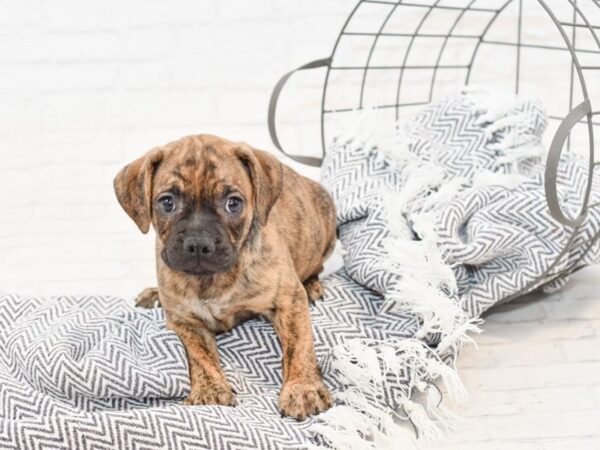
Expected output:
(581, 113)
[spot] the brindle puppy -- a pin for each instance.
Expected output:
(238, 234)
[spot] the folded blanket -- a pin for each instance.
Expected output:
(440, 218)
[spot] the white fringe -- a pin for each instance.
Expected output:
(427, 289)
(360, 422)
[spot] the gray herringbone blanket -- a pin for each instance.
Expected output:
(440, 218)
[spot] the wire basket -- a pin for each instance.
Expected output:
(396, 56)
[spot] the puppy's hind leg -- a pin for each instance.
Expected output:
(314, 288)
(148, 298)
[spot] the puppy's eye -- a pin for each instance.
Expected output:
(233, 205)
(167, 203)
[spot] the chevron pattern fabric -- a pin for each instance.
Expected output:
(440, 219)
(95, 372)
(469, 171)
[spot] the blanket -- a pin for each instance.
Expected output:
(440, 217)
(82, 372)
(443, 215)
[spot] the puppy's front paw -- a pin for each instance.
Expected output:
(213, 395)
(300, 399)
(148, 298)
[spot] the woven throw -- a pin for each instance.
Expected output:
(440, 217)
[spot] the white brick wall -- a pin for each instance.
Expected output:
(86, 86)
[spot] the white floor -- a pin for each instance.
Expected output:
(534, 382)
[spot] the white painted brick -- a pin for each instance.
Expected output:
(314, 7)
(596, 394)
(73, 113)
(23, 47)
(582, 350)
(323, 28)
(138, 142)
(57, 77)
(540, 331)
(145, 75)
(244, 107)
(250, 71)
(160, 12)
(596, 325)
(20, 13)
(563, 399)
(300, 105)
(40, 46)
(583, 443)
(467, 436)
(164, 109)
(505, 378)
(539, 353)
(191, 72)
(84, 210)
(490, 403)
(544, 425)
(255, 135)
(149, 43)
(20, 78)
(80, 270)
(236, 10)
(21, 152)
(73, 14)
(86, 147)
(489, 445)
(83, 46)
(58, 186)
(481, 356)
(19, 117)
(224, 40)
(582, 309)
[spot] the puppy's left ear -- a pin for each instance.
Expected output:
(266, 174)
(133, 186)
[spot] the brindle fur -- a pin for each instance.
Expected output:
(286, 232)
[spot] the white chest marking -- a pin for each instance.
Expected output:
(208, 310)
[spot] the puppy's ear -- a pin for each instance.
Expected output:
(266, 173)
(133, 186)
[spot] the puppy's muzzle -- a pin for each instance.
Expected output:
(199, 247)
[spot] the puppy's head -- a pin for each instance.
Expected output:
(204, 196)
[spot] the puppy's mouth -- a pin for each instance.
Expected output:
(200, 267)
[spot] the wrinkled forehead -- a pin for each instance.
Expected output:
(202, 171)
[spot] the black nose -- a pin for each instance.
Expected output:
(202, 246)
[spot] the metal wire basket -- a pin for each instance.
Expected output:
(394, 56)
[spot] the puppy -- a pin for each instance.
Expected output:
(238, 234)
